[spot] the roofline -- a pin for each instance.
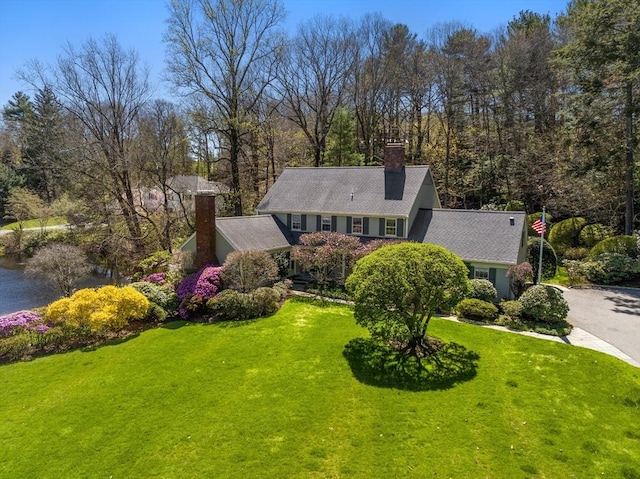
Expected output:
(262, 215)
(331, 213)
(497, 263)
(370, 167)
(481, 211)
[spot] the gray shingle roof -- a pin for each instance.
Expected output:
(246, 233)
(328, 191)
(474, 235)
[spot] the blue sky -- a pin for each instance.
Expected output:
(38, 29)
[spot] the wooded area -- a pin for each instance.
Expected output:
(543, 111)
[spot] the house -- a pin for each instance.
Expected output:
(183, 188)
(180, 194)
(390, 201)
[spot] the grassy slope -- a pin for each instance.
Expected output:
(277, 398)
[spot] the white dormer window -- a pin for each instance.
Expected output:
(296, 222)
(326, 223)
(390, 227)
(356, 225)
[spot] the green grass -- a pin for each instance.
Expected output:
(299, 395)
(54, 221)
(561, 277)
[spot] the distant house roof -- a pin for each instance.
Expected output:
(474, 235)
(329, 191)
(196, 183)
(247, 233)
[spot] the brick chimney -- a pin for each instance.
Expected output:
(205, 229)
(394, 156)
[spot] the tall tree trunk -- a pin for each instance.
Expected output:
(629, 213)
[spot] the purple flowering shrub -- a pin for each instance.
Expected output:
(205, 283)
(195, 289)
(21, 321)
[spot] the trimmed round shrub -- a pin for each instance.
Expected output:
(483, 290)
(265, 301)
(610, 268)
(592, 234)
(156, 314)
(566, 234)
(549, 258)
(544, 304)
(232, 305)
(623, 244)
(477, 310)
(575, 271)
(163, 296)
(14, 348)
(512, 309)
(576, 253)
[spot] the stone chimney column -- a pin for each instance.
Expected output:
(205, 229)
(393, 156)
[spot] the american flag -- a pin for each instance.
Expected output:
(540, 226)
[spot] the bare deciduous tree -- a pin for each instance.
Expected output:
(227, 51)
(104, 87)
(60, 265)
(318, 68)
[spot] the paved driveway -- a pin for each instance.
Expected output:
(612, 314)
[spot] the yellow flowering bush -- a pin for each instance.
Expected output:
(97, 310)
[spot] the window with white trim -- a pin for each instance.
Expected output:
(326, 223)
(481, 273)
(356, 225)
(390, 227)
(296, 222)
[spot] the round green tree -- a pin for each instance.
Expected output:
(398, 288)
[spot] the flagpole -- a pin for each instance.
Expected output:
(542, 231)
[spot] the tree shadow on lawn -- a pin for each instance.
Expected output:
(378, 365)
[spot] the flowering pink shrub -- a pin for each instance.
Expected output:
(205, 283)
(195, 289)
(329, 257)
(13, 323)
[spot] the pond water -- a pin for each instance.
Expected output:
(18, 292)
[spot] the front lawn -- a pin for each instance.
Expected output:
(294, 395)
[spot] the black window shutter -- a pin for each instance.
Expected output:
(334, 223)
(492, 275)
(303, 222)
(365, 226)
(349, 224)
(400, 228)
(289, 220)
(381, 228)
(472, 271)
(319, 223)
